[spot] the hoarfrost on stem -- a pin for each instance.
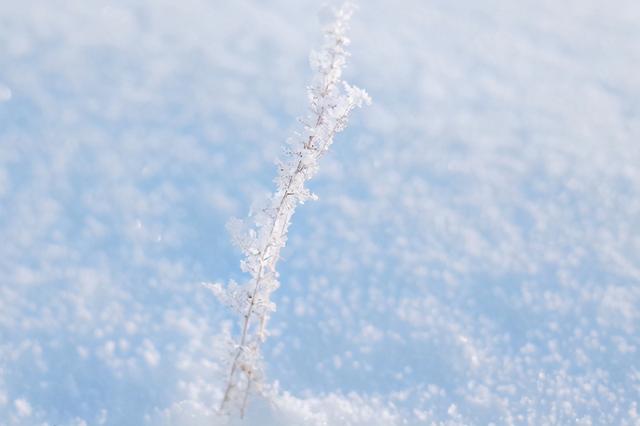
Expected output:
(331, 101)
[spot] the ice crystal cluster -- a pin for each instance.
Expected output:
(331, 101)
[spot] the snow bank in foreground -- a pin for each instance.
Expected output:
(474, 257)
(287, 410)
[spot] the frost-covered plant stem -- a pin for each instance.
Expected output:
(331, 101)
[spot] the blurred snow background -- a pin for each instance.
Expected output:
(474, 256)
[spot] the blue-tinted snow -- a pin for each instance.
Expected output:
(474, 256)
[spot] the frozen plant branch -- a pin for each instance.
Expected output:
(331, 101)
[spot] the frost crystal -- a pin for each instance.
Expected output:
(331, 101)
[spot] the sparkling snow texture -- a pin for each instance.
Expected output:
(474, 257)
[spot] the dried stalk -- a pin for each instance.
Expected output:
(331, 102)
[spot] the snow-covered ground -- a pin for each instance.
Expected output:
(474, 256)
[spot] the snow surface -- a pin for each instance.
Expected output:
(474, 256)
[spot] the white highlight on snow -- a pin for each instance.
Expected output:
(150, 353)
(5, 93)
(22, 407)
